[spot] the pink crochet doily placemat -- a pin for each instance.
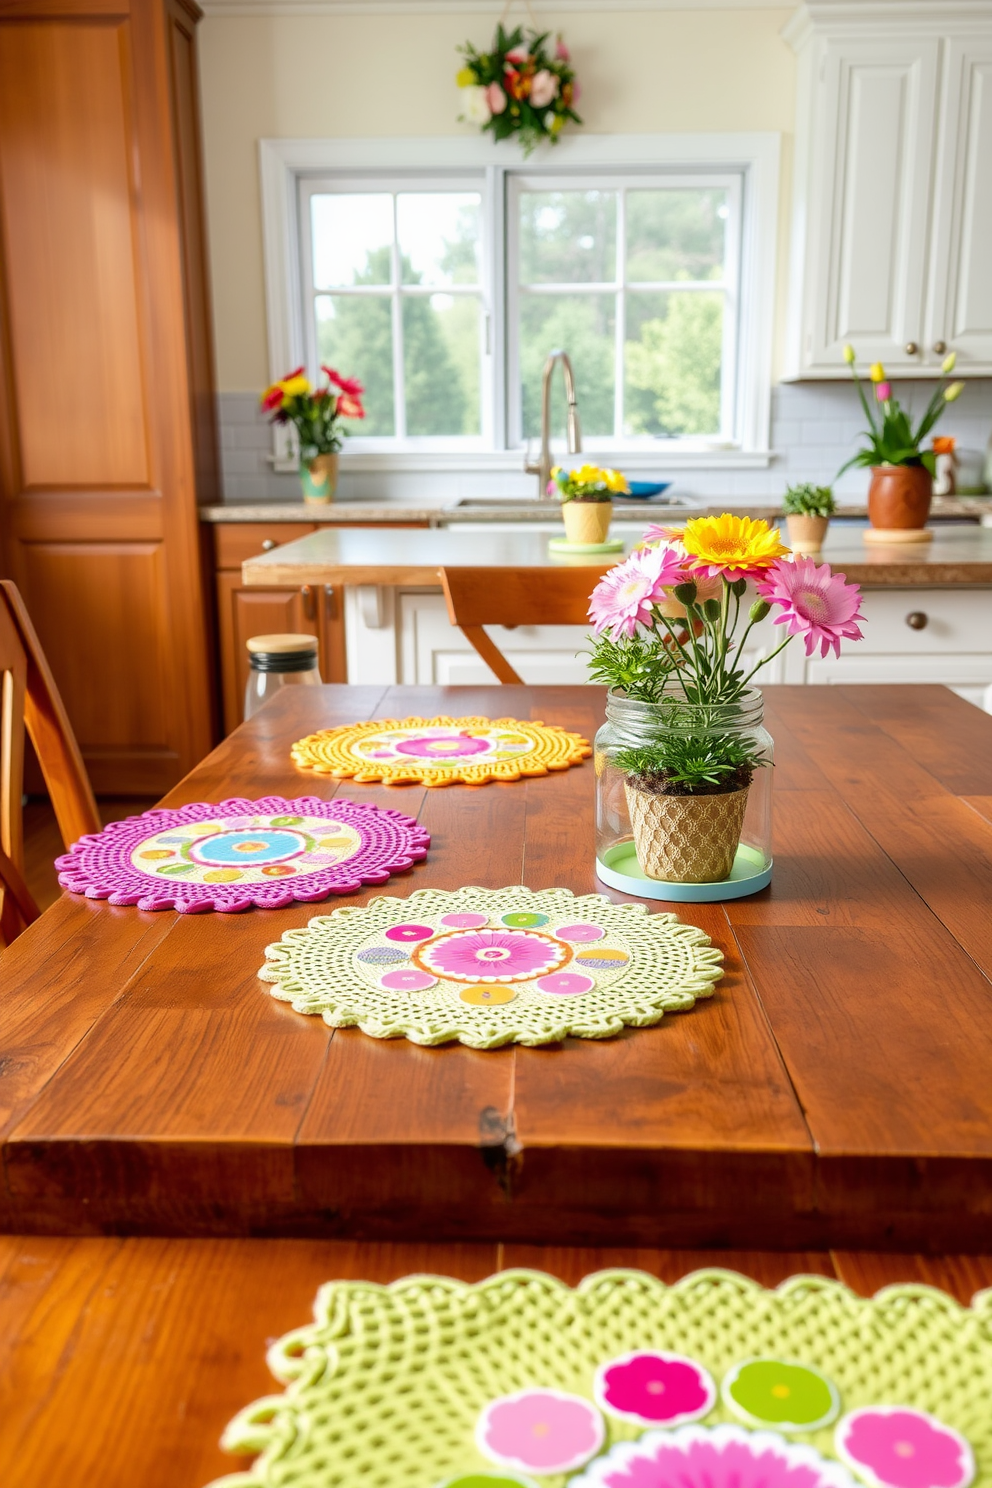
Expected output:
(230, 855)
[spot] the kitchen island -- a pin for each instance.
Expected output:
(928, 607)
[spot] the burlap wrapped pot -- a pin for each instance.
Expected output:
(686, 839)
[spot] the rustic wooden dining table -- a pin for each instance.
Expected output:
(837, 1089)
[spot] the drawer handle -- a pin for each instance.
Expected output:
(940, 347)
(911, 348)
(309, 602)
(268, 543)
(917, 620)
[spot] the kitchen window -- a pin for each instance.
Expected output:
(444, 289)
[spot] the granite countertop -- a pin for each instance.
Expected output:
(371, 514)
(957, 556)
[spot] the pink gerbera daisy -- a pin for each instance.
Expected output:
(817, 604)
(623, 598)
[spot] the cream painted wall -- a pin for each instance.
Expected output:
(386, 75)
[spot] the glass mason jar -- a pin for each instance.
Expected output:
(660, 844)
(277, 661)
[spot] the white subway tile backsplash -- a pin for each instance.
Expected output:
(815, 427)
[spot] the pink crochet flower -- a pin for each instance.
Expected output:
(487, 955)
(817, 604)
(543, 1431)
(654, 1388)
(623, 598)
(712, 1457)
(895, 1447)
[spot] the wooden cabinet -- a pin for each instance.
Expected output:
(893, 196)
(106, 386)
(315, 609)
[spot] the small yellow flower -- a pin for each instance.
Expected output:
(954, 392)
(849, 354)
(732, 546)
(877, 372)
(465, 77)
(615, 481)
(588, 475)
(949, 362)
(294, 387)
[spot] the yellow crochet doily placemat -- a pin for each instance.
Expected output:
(625, 1382)
(493, 966)
(440, 751)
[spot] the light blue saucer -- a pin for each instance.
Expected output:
(620, 869)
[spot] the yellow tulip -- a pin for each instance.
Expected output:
(849, 354)
(953, 392)
(615, 481)
(465, 77)
(948, 364)
(294, 387)
(877, 372)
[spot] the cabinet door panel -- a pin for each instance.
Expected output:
(961, 281)
(69, 255)
(871, 200)
(96, 608)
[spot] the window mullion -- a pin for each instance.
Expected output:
(620, 326)
(399, 378)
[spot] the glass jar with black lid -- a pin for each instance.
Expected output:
(277, 661)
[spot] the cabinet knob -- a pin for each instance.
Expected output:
(911, 348)
(268, 543)
(917, 620)
(309, 602)
(940, 347)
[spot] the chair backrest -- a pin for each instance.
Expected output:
(30, 699)
(516, 596)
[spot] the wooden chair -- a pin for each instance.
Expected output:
(516, 596)
(30, 700)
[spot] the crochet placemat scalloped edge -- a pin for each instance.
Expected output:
(305, 1357)
(324, 753)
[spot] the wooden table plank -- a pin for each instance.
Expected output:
(834, 1091)
(945, 734)
(867, 1272)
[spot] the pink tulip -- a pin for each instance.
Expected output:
(883, 391)
(562, 52)
(496, 99)
(517, 57)
(543, 88)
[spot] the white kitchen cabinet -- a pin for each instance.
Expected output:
(411, 641)
(893, 193)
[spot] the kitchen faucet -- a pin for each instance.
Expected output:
(574, 434)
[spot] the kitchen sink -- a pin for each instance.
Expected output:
(533, 503)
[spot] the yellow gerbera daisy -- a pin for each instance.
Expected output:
(733, 547)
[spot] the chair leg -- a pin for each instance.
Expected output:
(491, 654)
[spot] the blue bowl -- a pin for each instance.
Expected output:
(642, 490)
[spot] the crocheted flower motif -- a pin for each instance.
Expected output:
(712, 1457)
(497, 955)
(443, 746)
(896, 1447)
(542, 1431)
(771, 1392)
(654, 1389)
(487, 1480)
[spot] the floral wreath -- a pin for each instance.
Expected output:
(519, 87)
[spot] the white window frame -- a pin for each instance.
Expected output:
(752, 158)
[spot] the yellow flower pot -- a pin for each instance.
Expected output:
(587, 522)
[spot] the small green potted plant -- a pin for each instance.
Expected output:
(901, 471)
(586, 497)
(316, 415)
(808, 510)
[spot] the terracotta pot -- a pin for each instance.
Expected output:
(899, 496)
(319, 479)
(806, 532)
(587, 521)
(686, 839)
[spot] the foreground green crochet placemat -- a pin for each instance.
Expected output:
(493, 966)
(433, 1382)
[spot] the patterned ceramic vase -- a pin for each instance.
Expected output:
(319, 479)
(587, 522)
(646, 828)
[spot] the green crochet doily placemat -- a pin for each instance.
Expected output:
(492, 966)
(386, 1389)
